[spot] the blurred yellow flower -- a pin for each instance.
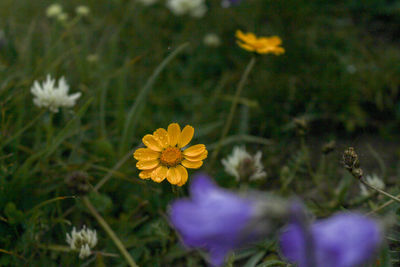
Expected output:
(261, 45)
(165, 156)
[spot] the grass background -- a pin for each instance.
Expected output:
(340, 75)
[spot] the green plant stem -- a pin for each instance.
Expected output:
(384, 205)
(110, 232)
(379, 190)
(235, 101)
(115, 168)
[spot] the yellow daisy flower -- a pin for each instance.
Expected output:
(261, 45)
(165, 156)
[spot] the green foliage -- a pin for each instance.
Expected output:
(340, 72)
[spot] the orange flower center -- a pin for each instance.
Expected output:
(171, 156)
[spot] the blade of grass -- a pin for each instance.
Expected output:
(68, 131)
(135, 112)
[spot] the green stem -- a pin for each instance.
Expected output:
(384, 205)
(49, 129)
(235, 101)
(110, 232)
(379, 190)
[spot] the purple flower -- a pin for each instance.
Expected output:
(213, 219)
(346, 239)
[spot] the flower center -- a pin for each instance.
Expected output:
(171, 156)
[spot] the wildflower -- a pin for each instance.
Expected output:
(54, 10)
(196, 8)
(82, 240)
(219, 221)
(92, 58)
(148, 2)
(211, 39)
(165, 156)
(347, 239)
(242, 165)
(373, 180)
(262, 45)
(62, 17)
(351, 162)
(51, 97)
(82, 11)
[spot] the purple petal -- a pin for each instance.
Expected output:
(343, 240)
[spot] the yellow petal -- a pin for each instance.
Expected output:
(197, 158)
(245, 37)
(147, 165)
(183, 174)
(271, 41)
(146, 154)
(191, 164)
(173, 176)
(159, 174)
(145, 174)
(185, 136)
(194, 150)
(152, 143)
(162, 136)
(246, 46)
(173, 133)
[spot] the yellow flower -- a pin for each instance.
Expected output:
(165, 157)
(262, 45)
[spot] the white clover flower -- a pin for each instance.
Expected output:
(54, 10)
(92, 58)
(196, 8)
(51, 97)
(82, 240)
(147, 2)
(62, 17)
(82, 10)
(212, 40)
(373, 180)
(242, 165)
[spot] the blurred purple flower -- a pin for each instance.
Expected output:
(343, 240)
(213, 219)
(219, 221)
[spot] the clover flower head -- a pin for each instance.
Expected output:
(54, 10)
(82, 10)
(62, 17)
(260, 45)
(167, 157)
(195, 8)
(212, 40)
(83, 240)
(242, 165)
(347, 239)
(219, 221)
(373, 180)
(49, 96)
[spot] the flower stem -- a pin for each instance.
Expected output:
(384, 205)
(110, 232)
(379, 190)
(235, 101)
